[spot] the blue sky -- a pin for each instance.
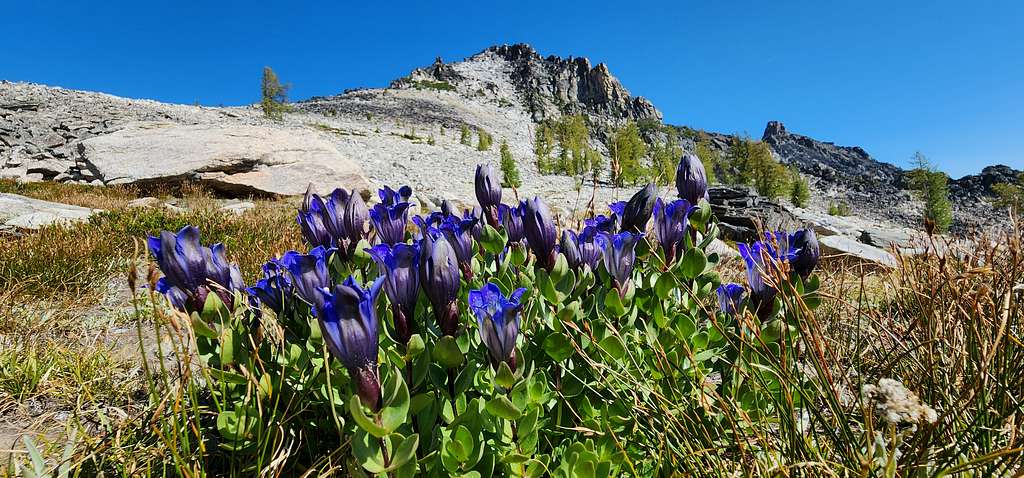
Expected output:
(942, 77)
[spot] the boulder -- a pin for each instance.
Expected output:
(22, 212)
(233, 159)
(849, 247)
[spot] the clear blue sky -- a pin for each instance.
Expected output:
(943, 77)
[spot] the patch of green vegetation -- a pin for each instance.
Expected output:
(509, 168)
(932, 187)
(483, 140)
(333, 130)
(750, 162)
(274, 95)
(433, 85)
(839, 208)
(627, 150)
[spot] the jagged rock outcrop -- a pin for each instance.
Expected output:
(978, 187)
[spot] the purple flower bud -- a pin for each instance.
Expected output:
(804, 252)
(389, 197)
(348, 321)
(488, 191)
(309, 274)
(580, 249)
(691, 179)
(730, 297)
(540, 231)
(498, 319)
(603, 223)
(354, 218)
(390, 222)
(399, 265)
(312, 221)
(670, 223)
(619, 254)
(439, 275)
(637, 212)
(512, 221)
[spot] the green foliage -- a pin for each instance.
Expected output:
(664, 161)
(708, 156)
(483, 140)
(931, 187)
(839, 209)
(800, 192)
(1010, 195)
(543, 147)
(274, 95)
(627, 149)
(569, 137)
(433, 85)
(465, 136)
(750, 162)
(509, 168)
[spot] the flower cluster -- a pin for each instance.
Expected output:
(192, 271)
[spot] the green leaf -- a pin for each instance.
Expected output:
(462, 444)
(663, 287)
(558, 346)
(396, 409)
(504, 376)
(492, 240)
(613, 304)
(367, 452)
(693, 263)
(447, 352)
(503, 408)
(415, 347)
(356, 408)
(405, 450)
(612, 345)
(560, 269)
(517, 255)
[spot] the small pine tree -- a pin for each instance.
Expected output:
(274, 95)
(708, 156)
(543, 146)
(430, 140)
(596, 162)
(467, 137)
(932, 187)
(509, 169)
(627, 150)
(1010, 195)
(483, 140)
(801, 192)
(664, 160)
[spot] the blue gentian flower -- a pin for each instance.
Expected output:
(761, 260)
(459, 234)
(670, 223)
(619, 255)
(581, 249)
(602, 223)
(354, 219)
(192, 271)
(399, 265)
(730, 297)
(313, 218)
(498, 319)
(691, 179)
(309, 274)
(488, 192)
(390, 198)
(348, 320)
(540, 231)
(804, 252)
(637, 211)
(477, 215)
(439, 275)
(275, 289)
(390, 221)
(511, 218)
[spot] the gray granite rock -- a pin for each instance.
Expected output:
(22, 212)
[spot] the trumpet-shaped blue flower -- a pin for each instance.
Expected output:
(390, 221)
(498, 319)
(511, 218)
(602, 223)
(691, 179)
(459, 234)
(730, 297)
(581, 249)
(439, 275)
(540, 231)
(399, 265)
(761, 259)
(348, 320)
(192, 271)
(339, 221)
(804, 251)
(390, 198)
(636, 213)
(309, 274)
(275, 289)
(313, 218)
(670, 223)
(619, 254)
